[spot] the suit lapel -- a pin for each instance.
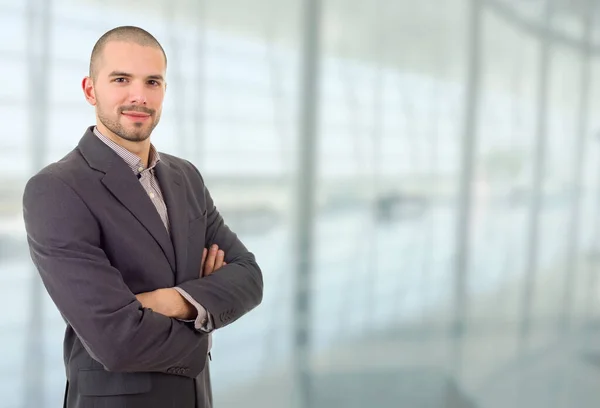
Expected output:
(123, 184)
(171, 185)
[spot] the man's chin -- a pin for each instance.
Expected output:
(135, 136)
(140, 138)
(137, 132)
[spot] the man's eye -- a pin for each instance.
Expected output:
(153, 82)
(120, 79)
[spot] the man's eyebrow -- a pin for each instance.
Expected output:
(128, 75)
(119, 73)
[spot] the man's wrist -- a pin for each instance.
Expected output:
(182, 309)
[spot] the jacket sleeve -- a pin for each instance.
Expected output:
(235, 288)
(65, 245)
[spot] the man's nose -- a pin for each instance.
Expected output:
(137, 94)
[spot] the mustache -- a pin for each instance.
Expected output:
(134, 108)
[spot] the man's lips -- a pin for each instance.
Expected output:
(136, 115)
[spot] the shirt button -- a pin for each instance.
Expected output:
(151, 194)
(140, 169)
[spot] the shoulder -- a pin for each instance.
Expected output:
(62, 170)
(65, 176)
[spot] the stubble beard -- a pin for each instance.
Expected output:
(139, 134)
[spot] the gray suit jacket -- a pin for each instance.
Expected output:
(96, 240)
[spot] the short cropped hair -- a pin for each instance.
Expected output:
(123, 33)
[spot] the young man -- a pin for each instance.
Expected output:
(131, 248)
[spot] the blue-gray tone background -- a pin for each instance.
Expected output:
(419, 180)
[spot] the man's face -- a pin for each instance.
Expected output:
(128, 89)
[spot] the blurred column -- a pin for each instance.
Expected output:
(573, 255)
(305, 201)
(372, 246)
(469, 142)
(199, 115)
(177, 88)
(539, 163)
(38, 71)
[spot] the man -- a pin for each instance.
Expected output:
(119, 234)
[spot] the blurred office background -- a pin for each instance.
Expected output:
(419, 180)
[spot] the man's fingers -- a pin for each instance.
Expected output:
(209, 266)
(212, 260)
(219, 260)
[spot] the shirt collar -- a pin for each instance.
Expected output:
(132, 160)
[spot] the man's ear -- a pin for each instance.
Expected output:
(87, 84)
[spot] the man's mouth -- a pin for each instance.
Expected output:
(136, 115)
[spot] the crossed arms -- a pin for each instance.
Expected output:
(65, 245)
(170, 302)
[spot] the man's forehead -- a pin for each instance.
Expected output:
(135, 59)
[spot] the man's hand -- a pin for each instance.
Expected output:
(214, 261)
(168, 302)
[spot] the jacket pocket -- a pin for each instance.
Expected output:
(105, 383)
(197, 225)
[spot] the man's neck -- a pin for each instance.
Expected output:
(140, 149)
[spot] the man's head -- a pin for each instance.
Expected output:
(126, 83)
